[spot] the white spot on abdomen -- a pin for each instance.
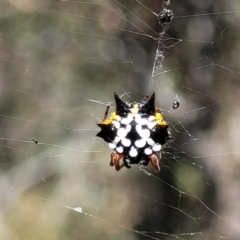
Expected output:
(133, 152)
(128, 128)
(151, 118)
(116, 139)
(127, 120)
(112, 145)
(116, 124)
(151, 125)
(119, 149)
(150, 141)
(141, 121)
(126, 142)
(140, 143)
(122, 132)
(118, 118)
(143, 133)
(148, 151)
(157, 147)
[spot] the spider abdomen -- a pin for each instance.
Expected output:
(136, 133)
(137, 138)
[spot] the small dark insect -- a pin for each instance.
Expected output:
(136, 133)
(176, 103)
(166, 16)
(35, 141)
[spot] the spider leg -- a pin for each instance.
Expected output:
(106, 113)
(115, 159)
(154, 158)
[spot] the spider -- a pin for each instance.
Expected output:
(136, 133)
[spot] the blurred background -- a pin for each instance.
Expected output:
(60, 62)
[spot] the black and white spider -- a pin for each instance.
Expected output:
(136, 133)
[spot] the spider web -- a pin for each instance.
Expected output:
(61, 61)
